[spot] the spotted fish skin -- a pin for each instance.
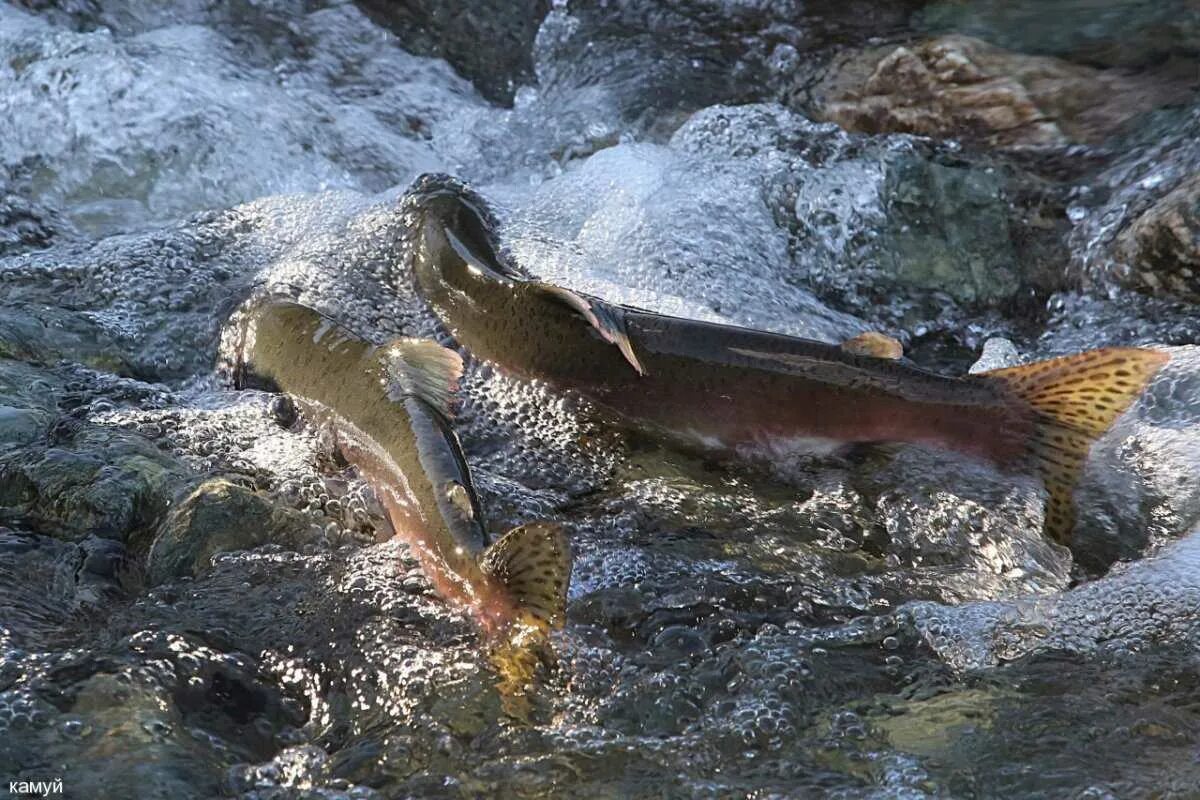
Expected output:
(734, 390)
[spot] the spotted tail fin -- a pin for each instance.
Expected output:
(1075, 399)
(533, 562)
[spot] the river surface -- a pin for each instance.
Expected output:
(198, 599)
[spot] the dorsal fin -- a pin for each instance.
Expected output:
(1075, 399)
(533, 562)
(607, 319)
(422, 368)
(874, 344)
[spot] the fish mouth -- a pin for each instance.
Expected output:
(459, 213)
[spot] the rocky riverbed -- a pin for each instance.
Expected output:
(200, 599)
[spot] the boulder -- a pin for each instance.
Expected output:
(958, 86)
(1161, 247)
(220, 516)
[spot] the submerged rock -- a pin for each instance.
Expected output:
(883, 225)
(1108, 32)
(90, 480)
(25, 225)
(47, 335)
(489, 43)
(947, 230)
(1137, 224)
(218, 517)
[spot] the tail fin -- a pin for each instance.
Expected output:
(534, 562)
(1075, 399)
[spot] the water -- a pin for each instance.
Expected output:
(884, 625)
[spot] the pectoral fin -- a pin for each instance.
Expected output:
(422, 368)
(606, 319)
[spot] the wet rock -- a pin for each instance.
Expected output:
(28, 399)
(957, 86)
(997, 353)
(948, 231)
(657, 62)
(1107, 32)
(1161, 247)
(184, 275)
(95, 480)
(881, 224)
(25, 225)
(45, 335)
(490, 43)
(19, 426)
(1136, 224)
(283, 411)
(218, 517)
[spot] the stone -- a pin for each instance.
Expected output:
(958, 86)
(221, 516)
(488, 42)
(1137, 225)
(44, 335)
(1126, 33)
(1161, 247)
(95, 480)
(948, 230)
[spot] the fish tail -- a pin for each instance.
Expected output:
(1074, 400)
(533, 562)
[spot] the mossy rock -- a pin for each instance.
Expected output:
(218, 517)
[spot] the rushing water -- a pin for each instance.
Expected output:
(198, 599)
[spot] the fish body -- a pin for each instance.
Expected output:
(389, 406)
(732, 389)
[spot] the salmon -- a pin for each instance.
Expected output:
(390, 409)
(736, 391)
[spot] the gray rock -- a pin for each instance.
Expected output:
(875, 219)
(1162, 246)
(490, 43)
(28, 398)
(961, 87)
(1138, 224)
(25, 225)
(997, 353)
(45, 335)
(947, 230)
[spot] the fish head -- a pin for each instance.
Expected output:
(452, 235)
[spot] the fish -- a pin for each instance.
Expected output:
(740, 392)
(390, 409)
